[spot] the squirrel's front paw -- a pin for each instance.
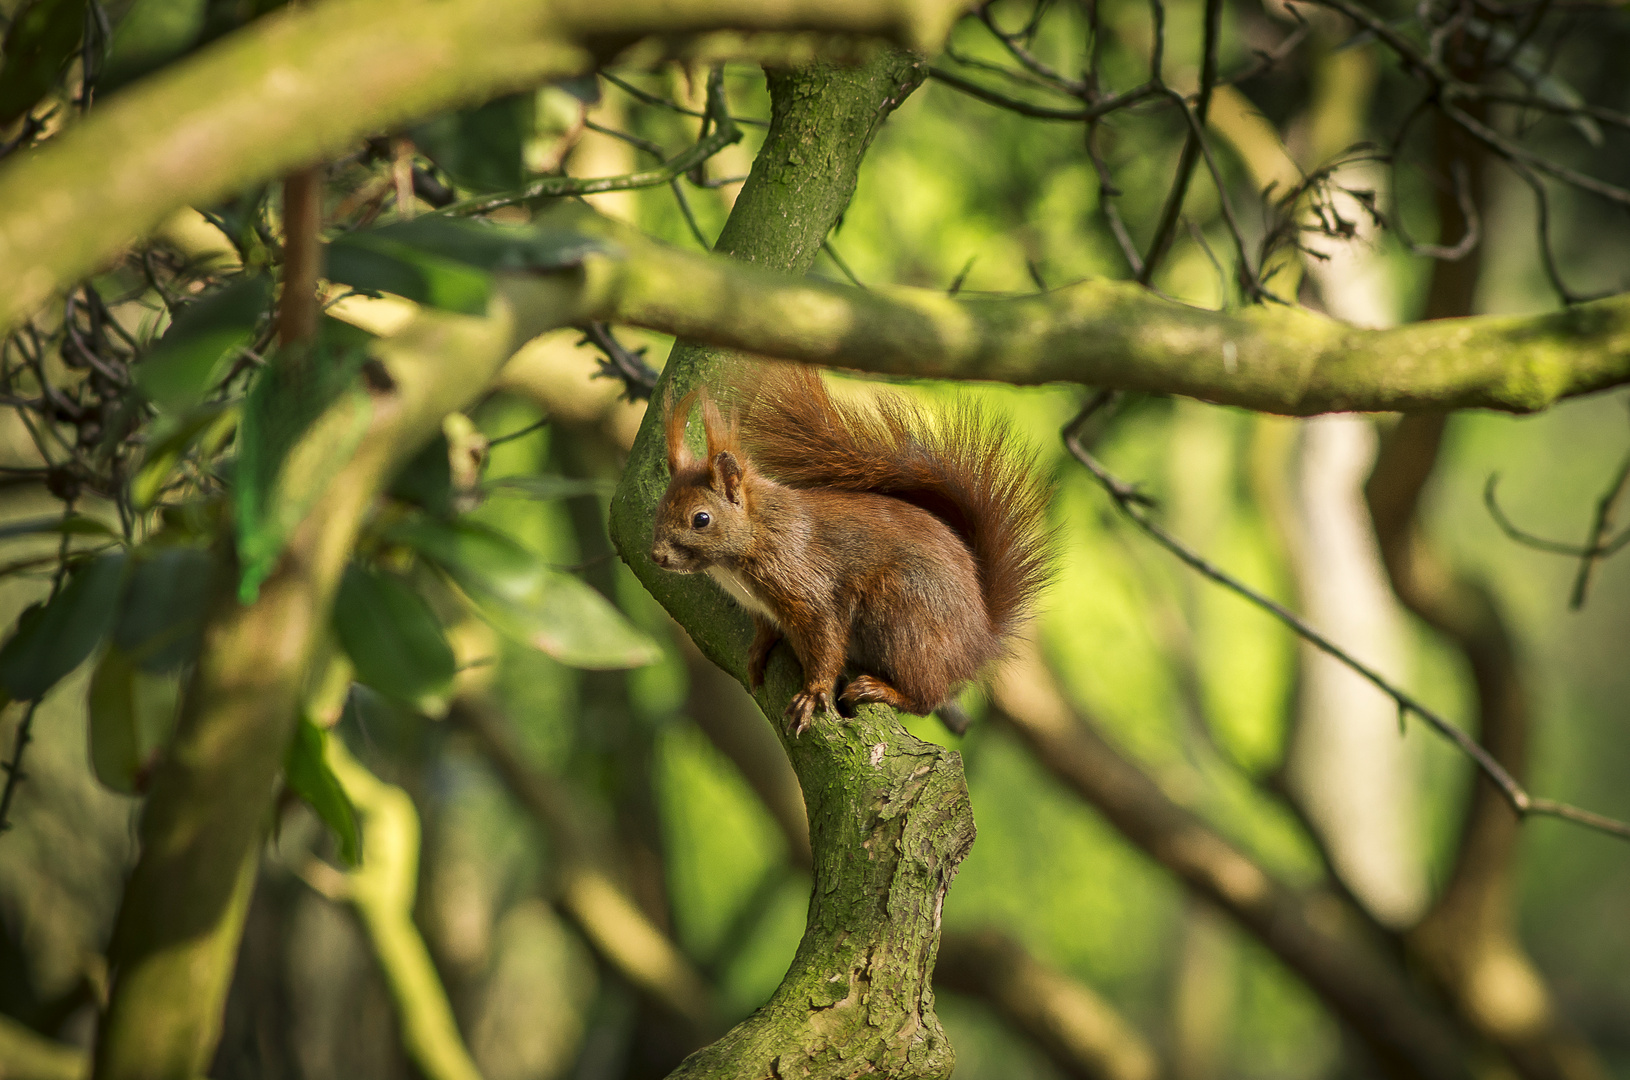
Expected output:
(803, 705)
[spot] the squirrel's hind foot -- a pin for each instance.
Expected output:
(865, 689)
(802, 708)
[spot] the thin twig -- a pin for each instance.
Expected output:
(1135, 506)
(724, 133)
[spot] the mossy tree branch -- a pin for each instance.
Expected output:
(308, 82)
(182, 915)
(889, 815)
(1119, 335)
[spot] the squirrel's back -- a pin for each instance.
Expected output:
(963, 467)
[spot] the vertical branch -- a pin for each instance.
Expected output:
(1193, 145)
(302, 255)
(889, 815)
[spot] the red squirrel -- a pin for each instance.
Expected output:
(863, 533)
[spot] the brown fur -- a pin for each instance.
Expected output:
(864, 534)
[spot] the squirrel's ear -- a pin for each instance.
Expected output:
(679, 455)
(726, 476)
(723, 432)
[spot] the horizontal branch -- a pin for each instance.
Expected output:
(308, 82)
(1114, 334)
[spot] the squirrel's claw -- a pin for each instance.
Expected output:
(802, 708)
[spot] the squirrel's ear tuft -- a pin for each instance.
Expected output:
(723, 432)
(725, 476)
(679, 455)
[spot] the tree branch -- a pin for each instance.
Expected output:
(178, 928)
(1468, 941)
(381, 889)
(305, 83)
(1113, 334)
(607, 916)
(889, 815)
(1082, 1033)
(1358, 984)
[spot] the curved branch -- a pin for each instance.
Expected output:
(1358, 983)
(307, 82)
(381, 889)
(182, 915)
(607, 916)
(1468, 941)
(1083, 1034)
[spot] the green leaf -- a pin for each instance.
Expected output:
(71, 525)
(166, 599)
(473, 554)
(427, 480)
(523, 597)
(481, 148)
(446, 262)
(191, 357)
(302, 421)
(573, 623)
(375, 265)
(392, 638)
(131, 717)
(54, 638)
(39, 42)
(306, 771)
(152, 33)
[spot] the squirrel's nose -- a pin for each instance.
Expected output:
(659, 557)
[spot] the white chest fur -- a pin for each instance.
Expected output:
(741, 593)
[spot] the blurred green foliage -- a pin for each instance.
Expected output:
(952, 190)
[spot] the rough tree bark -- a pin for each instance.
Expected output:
(889, 815)
(308, 82)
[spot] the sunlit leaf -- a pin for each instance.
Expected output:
(470, 551)
(306, 771)
(132, 715)
(193, 354)
(573, 623)
(392, 637)
(53, 638)
(39, 42)
(161, 614)
(291, 443)
(375, 265)
(519, 594)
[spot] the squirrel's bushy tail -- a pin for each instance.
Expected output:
(964, 466)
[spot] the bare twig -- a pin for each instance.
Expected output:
(1135, 506)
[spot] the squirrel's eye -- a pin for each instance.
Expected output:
(701, 519)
